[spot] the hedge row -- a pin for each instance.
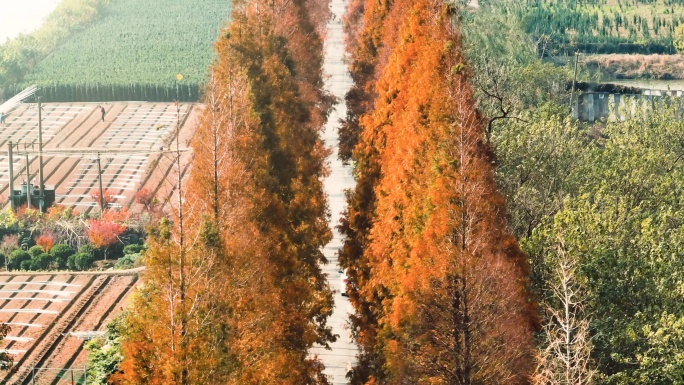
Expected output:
(67, 93)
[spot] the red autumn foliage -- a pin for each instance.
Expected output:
(104, 233)
(45, 242)
(364, 25)
(145, 197)
(107, 197)
(120, 215)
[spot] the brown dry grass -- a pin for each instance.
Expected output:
(622, 66)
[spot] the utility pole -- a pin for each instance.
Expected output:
(181, 244)
(11, 174)
(574, 80)
(99, 179)
(41, 199)
(28, 183)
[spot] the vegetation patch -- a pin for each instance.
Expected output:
(62, 239)
(616, 66)
(562, 27)
(134, 51)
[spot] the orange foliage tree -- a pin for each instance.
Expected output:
(364, 26)
(45, 241)
(107, 198)
(287, 166)
(146, 197)
(234, 293)
(437, 281)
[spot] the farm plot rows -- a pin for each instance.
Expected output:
(135, 47)
(133, 140)
(48, 312)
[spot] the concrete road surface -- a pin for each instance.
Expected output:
(342, 357)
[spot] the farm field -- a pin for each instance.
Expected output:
(600, 26)
(50, 316)
(135, 143)
(141, 43)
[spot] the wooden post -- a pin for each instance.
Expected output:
(99, 179)
(11, 174)
(28, 183)
(41, 198)
(72, 376)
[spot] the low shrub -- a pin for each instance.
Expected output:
(61, 253)
(35, 251)
(26, 265)
(127, 261)
(18, 257)
(41, 261)
(133, 249)
(80, 261)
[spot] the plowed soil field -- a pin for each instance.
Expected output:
(135, 144)
(51, 315)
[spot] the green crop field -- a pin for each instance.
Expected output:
(600, 26)
(135, 45)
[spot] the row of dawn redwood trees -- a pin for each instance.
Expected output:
(437, 281)
(233, 292)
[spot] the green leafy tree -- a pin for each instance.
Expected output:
(6, 359)
(539, 164)
(625, 226)
(678, 38)
(128, 261)
(26, 265)
(660, 358)
(104, 352)
(133, 249)
(508, 76)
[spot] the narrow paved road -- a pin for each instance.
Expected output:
(343, 354)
